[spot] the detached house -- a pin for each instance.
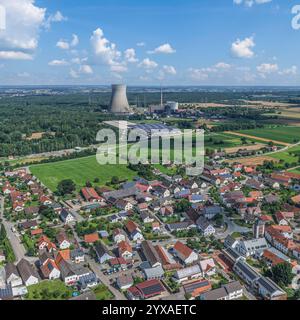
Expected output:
(13, 277)
(90, 195)
(27, 272)
(134, 231)
(66, 216)
(205, 226)
(118, 235)
(125, 250)
(184, 253)
(63, 241)
(102, 253)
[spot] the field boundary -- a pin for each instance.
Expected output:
(258, 138)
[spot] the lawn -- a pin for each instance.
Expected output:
(49, 290)
(281, 133)
(102, 293)
(79, 170)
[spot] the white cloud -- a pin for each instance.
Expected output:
(118, 68)
(86, 69)
(267, 68)
(130, 55)
(104, 49)
(293, 70)
(65, 45)
(250, 3)
(222, 65)
(58, 63)
(15, 55)
(243, 48)
(57, 17)
(148, 64)
(23, 75)
(24, 20)
(141, 44)
(198, 74)
(169, 70)
(164, 48)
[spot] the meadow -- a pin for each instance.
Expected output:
(281, 133)
(79, 170)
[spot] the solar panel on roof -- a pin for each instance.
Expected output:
(155, 288)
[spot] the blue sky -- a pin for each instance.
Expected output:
(180, 42)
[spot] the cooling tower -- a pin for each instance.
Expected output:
(119, 102)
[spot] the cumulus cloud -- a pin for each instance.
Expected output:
(73, 74)
(130, 55)
(86, 69)
(243, 48)
(66, 45)
(58, 63)
(198, 74)
(141, 44)
(57, 17)
(24, 20)
(169, 70)
(148, 64)
(267, 68)
(15, 55)
(293, 70)
(222, 65)
(103, 49)
(250, 3)
(164, 48)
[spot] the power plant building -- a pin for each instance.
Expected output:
(119, 103)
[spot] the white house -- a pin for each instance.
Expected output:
(12, 275)
(27, 272)
(184, 253)
(208, 267)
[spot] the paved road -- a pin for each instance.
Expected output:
(17, 246)
(231, 227)
(96, 269)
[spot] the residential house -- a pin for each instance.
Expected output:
(45, 243)
(90, 195)
(27, 272)
(231, 291)
(63, 241)
(252, 247)
(119, 235)
(184, 253)
(13, 277)
(208, 267)
(134, 231)
(210, 212)
(124, 282)
(91, 238)
(102, 253)
(150, 254)
(146, 217)
(125, 250)
(205, 226)
(66, 216)
(146, 290)
(77, 256)
(196, 288)
(188, 273)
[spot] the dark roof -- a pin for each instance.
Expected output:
(10, 269)
(232, 287)
(64, 214)
(150, 253)
(26, 270)
(269, 285)
(101, 249)
(215, 294)
(150, 287)
(6, 293)
(246, 269)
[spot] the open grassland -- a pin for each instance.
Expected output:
(79, 170)
(280, 134)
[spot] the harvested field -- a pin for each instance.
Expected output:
(257, 146)
(258, 138)
(253, 161)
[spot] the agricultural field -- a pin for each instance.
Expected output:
(79, 170)
(287, 135)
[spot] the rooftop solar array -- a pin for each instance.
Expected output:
(152, 289)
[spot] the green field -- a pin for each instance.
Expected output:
(281, 133)
(49, 290)
(79, 170)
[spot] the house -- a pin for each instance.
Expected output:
(66, 216)
(33, 210)
(230, 291)
(13, 277)
(50, 270)
(196, 287)
(102, 253)
(134, 231)
(156, 227)
(166, 211)
(123, 205)
(187, 273)
(45, 200)
(124, 282)
(210, 212)
(63, 241)
(252, 247)
(87, 281)
(125, 250)
(90, 195)
(156, 272)
(281, 219)
(91, 238)
(269, 290)
(150, 254)
(145, 216)
(146, 290)
(245, 272)
(208, 267)
(178, 226)
(45, 243)
(77, 255)
(119, 235)
(205, 226)
(27, 272)
(184, 253)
